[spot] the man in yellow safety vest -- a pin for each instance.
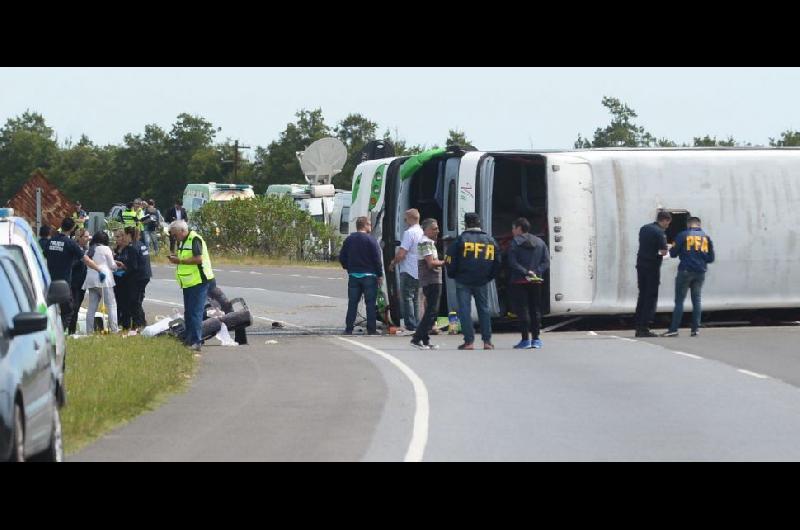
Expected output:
(194, 273)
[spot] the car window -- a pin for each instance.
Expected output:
(8, 300)
(22, 289)
(19, 258)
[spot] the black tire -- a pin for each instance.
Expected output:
(17, 436)
(55, 451)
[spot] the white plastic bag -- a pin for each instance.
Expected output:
(225, 337)
(159, 327)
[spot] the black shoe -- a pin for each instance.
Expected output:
(645, 333)
(695, 332)
(348, 332)
(669, 334)
(418, 345)
(372, 333)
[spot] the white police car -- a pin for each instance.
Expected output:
(18, 239)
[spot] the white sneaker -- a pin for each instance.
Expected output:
(433, 346)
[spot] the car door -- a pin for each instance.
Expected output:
(31, 352)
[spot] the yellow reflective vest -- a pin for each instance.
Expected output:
(191, 275)
(129, 218)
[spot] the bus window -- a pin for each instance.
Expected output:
(678, 224)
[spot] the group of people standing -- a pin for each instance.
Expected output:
(695, 250)
(118, 277)
(473, 260)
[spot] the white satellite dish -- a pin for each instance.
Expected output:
(322, 160)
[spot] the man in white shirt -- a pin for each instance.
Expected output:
(407, 257)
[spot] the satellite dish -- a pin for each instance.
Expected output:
(322, 160)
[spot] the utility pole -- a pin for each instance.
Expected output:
(236, 158)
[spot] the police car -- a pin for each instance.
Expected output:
(18, 239)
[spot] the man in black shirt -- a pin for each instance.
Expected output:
(361, 256)
(61, 254)
(652, 249)
(140, 282)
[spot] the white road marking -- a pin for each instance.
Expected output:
(748, 372)
(693, 356)
(623, 338)
(335, 278)
(315, 277)
(592, 333)
(320, 295)
(419, 434)
(285, 323)
(157, 301)
(254, 272)
(234, 271)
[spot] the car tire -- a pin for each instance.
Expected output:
(55, 451)
(17, 436)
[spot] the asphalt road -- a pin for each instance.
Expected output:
(731, 394)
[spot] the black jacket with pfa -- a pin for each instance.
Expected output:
(473, 258)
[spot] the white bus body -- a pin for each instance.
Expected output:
(588, 206)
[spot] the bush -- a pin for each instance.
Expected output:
(274, 226)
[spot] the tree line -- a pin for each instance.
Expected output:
(158, 163)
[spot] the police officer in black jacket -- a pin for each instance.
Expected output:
(130, 260)
(652, 249)
(473, 260)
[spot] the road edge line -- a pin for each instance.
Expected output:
(419, 433)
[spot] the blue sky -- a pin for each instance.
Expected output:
(497, 108)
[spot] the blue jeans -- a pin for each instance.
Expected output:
(684, 281)
(464, 294)
(151, 240)
(409, 287)
(368, 286)
(194, 300)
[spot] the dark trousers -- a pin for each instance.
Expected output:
(356, 287)
(122, 292)
(431, 293)
(527, 303)
(66, 314)
(77, 298)
(649, 278)
(137, 299)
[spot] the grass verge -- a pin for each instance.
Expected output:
(112, 379)
(266, 261)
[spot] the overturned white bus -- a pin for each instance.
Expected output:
(588, 206)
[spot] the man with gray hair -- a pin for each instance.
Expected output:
(194, 273)
(430, 278)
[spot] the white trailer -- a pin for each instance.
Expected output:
(588, 206)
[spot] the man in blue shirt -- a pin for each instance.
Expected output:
(652, 248)
(696, 251)
(361, 256)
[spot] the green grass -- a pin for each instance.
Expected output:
(112, 379)
(262, 261)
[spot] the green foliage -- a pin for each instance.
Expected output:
(278, 164)
(708, 141)
(26, 144)
(622, 131)
(788, 138)
(274, 226)
(354, 131)
(456, 137)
